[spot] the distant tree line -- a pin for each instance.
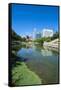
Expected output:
(16, 37)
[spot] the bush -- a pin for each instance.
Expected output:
(41, 40)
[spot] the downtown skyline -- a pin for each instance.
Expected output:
(26, 18)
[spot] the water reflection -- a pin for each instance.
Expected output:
(42, 61)
(46, 52)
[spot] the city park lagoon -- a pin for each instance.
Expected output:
(41, 62)
(35, 63)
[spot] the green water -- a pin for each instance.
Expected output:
(42, 61)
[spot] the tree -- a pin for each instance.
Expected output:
(55, 35)
(27, 37)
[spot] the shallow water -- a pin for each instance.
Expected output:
(42, 61)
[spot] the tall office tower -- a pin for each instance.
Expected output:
(47, 33)
(34, 33)
(38, 35)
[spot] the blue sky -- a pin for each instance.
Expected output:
(27, 17)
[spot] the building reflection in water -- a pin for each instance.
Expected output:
(46, 52)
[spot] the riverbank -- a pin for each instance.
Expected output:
(54, 44)
(21, 75)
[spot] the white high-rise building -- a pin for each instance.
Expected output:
(34, 33)
(47, 33)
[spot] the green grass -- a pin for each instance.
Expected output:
(21, 75)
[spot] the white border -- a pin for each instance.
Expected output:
(4, 43)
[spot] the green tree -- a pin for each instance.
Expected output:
(55, 35)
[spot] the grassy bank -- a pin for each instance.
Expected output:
(21, 75)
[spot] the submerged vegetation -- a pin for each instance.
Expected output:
(21, 75)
